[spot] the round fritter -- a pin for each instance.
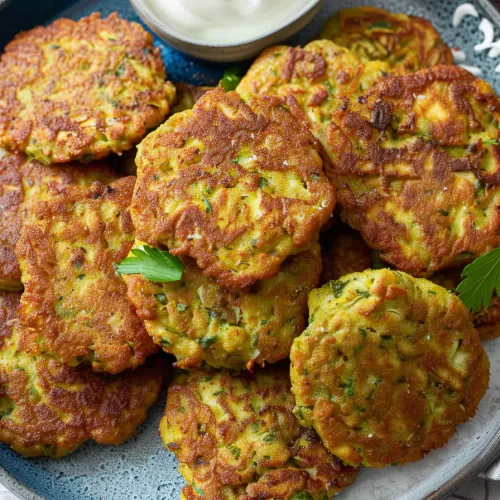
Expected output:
(344, 252)
(81, 90)
(198, 321)
(47, 408)
(238, 185)
(417, 168)
(19, 175)
(74, 307)
(387, 368)
(407, 43)
(236, 438)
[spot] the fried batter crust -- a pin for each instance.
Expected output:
(238, 185)
(81, 90)
(416, 167)
(236, 438)
(407, 43)
(199, 321)
(47, 408)
(387, 368)
(74, 308)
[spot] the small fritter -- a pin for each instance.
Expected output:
(387, 368)
(407, 43)
(198, 321)
(416, 166)
(345, 253)
(79, 90)
(19, 175)
(236, 438)
(314, 81)
(11, 198)
(237, 184)
(75, 308)
(186, 96)
(47, 408)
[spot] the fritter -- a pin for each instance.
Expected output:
(407, 43)
(198, 321)
(313, 81)
(47, 408)
(416, 166)
(79, 90)
(344, 253)
(237, 184)
(186, 96)
(19, 175)
(388, 367)
(236, 438)
(74, 307)
(11, 198)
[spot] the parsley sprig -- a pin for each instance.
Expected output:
(231, 79)
(153, 264)
(482, 279)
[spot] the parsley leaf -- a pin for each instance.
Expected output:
(230, 80)
(482, 278)
(153, 264)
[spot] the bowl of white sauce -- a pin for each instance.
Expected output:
(225, 30)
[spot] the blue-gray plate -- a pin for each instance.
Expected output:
(142, 468)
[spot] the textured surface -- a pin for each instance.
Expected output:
(141, 469)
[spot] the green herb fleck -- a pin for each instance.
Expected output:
(269, 438)
(161, 298)
(493, 142)
(235, 451)
(207, 341)
(338, 287)
(363, 293)
(348, 387)
(81, 276)
(120, 70)
(263, 182)
(230, 79)
(444, 213)
(208, 207)
(181, 307)
(363, 333)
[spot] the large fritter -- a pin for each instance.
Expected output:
(387, 368)
(236, 438)
(74, 308)
(407, 43)
(314, 81)
(416, 167)
(81, 90)
(198, 321)
(47, 408)
(238, 185)
(19, 176)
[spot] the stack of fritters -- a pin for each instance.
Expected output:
(73, 91)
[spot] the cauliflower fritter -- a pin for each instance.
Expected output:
(79, 90)
(17, 176)
(75, 308)
(238, 185)
(198, 321)
(407, 43)
(387, 368)
(47, 408)
(416, 167)
(236, 438)
(314, 81)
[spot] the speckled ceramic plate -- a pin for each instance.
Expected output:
(142, 468)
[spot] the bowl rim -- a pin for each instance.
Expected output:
(159, 26)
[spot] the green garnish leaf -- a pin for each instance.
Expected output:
(154, 264)
(231, 79)
(481, 280)
(208, 207)
(494, 142)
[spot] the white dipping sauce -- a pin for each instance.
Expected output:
(225, 21)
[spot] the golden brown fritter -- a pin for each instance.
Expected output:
(199, 321)
(407, 43)
(238, 185)
(186, 96)
(387, 368)
(345, 253)
(236, 438)
(416, 167)
(47, 408)
(74, 308)
(81, 90)
(11, 198)
(19, 175)
(314, 81)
